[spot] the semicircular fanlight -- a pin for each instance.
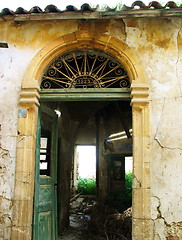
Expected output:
(85, 69)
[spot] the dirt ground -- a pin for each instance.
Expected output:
(72, 234)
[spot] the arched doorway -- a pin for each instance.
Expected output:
(29, 100)
(81, 70)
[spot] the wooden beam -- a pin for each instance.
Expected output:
(134, 13)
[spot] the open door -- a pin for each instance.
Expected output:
(45, 201)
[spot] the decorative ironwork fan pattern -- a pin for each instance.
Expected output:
(85, 69)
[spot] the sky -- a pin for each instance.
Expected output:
(61, 4)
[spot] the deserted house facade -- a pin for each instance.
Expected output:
(143, 44)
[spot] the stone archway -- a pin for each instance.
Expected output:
(27, 124)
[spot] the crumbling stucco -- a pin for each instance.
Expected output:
(161, 229)
(161, 54)
(6, 193)
(157, 43)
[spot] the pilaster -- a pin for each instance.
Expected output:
(141, 162)
(25, 165)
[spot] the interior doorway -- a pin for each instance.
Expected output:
(84, 171)
(91, 123)
(85, 157)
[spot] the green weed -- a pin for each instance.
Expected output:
(86, 186)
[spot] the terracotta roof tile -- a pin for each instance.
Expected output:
(86, 8)
(21, 10)
(36, 9)
(71, 8)
(137, 5)
(52, 8)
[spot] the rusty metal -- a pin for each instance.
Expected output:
(85, 69)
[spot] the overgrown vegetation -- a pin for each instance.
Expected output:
(86, 186)
(128, 185)
(123, 200)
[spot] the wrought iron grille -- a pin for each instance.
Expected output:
(85, 69)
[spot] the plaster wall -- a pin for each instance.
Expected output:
(157, 43)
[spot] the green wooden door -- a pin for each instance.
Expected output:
(45, 202)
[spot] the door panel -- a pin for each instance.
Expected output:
(44, 227)
(45, 202)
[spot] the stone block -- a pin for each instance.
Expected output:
(27, 125)
(84, 35)
(141, 172)
(24, 186)
(22, 213)
(21, 233)
(141, 203)
(141, 229)
(25, 160)
(68, 38)
(26, 142)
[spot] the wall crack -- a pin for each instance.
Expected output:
(166, 147)
(158, 134)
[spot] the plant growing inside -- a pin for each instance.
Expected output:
(86, 186)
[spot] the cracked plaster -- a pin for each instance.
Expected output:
(170, 125)
(5, 218)
(162, 230)
(166, 184)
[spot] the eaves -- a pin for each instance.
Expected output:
(154, 13)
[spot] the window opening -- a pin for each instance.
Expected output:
(45, 145)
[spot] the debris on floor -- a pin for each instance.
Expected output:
(107, 223)
(90, 220)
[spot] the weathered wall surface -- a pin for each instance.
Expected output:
(158, 44)
(24, 40)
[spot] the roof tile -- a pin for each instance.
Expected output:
(87, 8)
(36, 9)
(71, 8)
(52, 8)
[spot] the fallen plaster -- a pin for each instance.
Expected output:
(163, 230)
(174, 231)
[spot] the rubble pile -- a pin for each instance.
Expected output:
(107, 223)
(100, 222)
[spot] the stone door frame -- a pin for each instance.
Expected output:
(27, 126)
